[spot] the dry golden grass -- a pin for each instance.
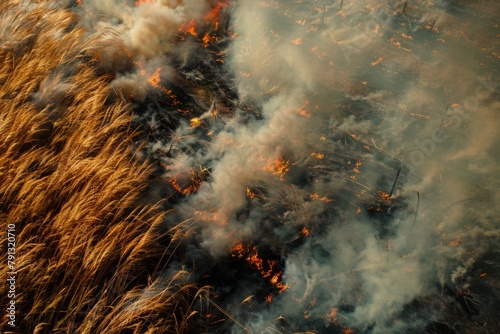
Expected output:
(89, 257)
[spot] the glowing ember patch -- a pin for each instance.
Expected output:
(301, 22)
(317, 155)
(190, 181)
(140, 2)
(421, 115)
(79, 3)
(271, 269)
(353, 135)
(266, 270)
(278, 284)
(384, 196)
(305, 231)
(250, 193)
(483, 274)
(455, 243)
(406, 36)
(376, 62)
(297, 41)
(332, 316)
(238, 251)
(356, 169)
(269, 299)
(324, 198)
(191, 188)
(195, 122)
(255, 260)
(140, 64)
(302, 110)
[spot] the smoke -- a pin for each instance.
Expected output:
(415, 110)
(370, 124)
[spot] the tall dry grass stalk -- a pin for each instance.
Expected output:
(89, 257)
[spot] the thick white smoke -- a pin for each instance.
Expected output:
(425, 103)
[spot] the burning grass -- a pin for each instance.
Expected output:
(89, 256)
(309, 203)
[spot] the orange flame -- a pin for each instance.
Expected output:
(302, 110)
(455, 243)
(238, 251)
(195, 122)
(279, 284)
(140, 64)
(250, 193)
(305, 231)
(376, 62)
(213, 16)
(254, 260)
(205, 41)
(140, 2)
(278, 167)
(192, 188)
(317, 155)
(384, 196)
(356, 169)
(332, 316)
(189, 28)
(324, 198)
(190, 181)
(154, 80)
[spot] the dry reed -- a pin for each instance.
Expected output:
(88, 256)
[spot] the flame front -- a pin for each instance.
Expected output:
(279, 167)
(189, 28)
